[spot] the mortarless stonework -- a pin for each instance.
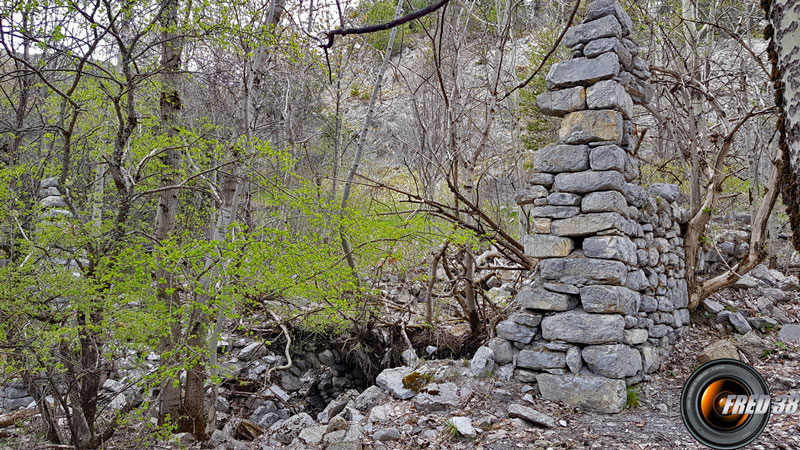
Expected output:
(608, 294)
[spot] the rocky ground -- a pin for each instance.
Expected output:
(458, 410)
(322, 403)
(463, 404)
(486, 413)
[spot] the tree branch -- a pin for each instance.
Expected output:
(330, 35)
(549, 54)
(756, 252)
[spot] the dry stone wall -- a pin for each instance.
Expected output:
(608, 296)
(13, 393)
(53, 204)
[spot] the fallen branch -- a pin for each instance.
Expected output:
(10, 419)
(405, 338)
(288, 364)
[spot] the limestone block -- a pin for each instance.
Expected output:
(574, 360)
(608, 157)
(555, 212)
(609, 299)
(581, 127)
(589, 224)
(590, 181)
(580, 327)
(562, 288)
(543, 299)
(608, 94)
(604, 26)
(636, 279)
(601, 8)
(541, 359)
(641, 68)
(547, 246)
(598, 394)
(633, 336)
(584, 71)
(540, 225)
(513, 331)
(721, 349)
(634, 194)
(583, 271)
(630, 45)
(563, 199)
(613, 361)
(610, 247)
(561, 158)
(631, 170)
(651, 359)
(610, 44)
(543, 179)
(560, 102)
(529, 195)
(604, 201)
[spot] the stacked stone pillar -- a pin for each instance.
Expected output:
(608, 296)
(53, 205)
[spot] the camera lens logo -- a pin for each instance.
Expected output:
(725, 404)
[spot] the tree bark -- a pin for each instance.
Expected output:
(757, 246)
(9, 419)
(784, 35)
(170, 401)
(693, 106)
(231, 192)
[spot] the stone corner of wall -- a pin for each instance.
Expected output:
(608, 297)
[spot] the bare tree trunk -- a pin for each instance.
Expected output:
(194, 406)
(757, 250)
(437, 255)
(694, 107)
(697, 224)
(773, 245)
(97, 195)
(171, 407)
(783, 16)
(471, 160)
(231, 192)
(362, 136)
(230, 199)
(337, 134)
(470, 295)
(25, 83)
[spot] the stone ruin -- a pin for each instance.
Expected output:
(51, 201)
(608, 296)
(13, 393)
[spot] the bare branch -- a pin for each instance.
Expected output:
(549, 53)
(330, 35)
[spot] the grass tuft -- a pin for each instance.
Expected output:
(633, 397)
